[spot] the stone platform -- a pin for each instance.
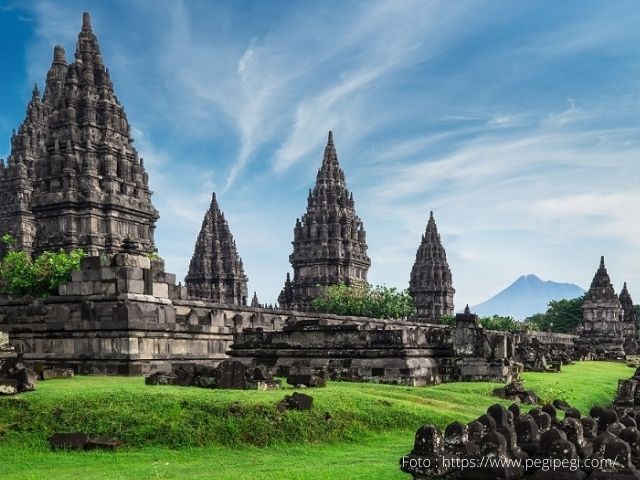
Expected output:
(407, 354)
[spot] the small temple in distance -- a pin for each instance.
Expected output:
(602, 316)
(216, 271)
(329, 241)
(430, 284)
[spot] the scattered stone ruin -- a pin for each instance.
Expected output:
(15, 376)
(511, 444)
(229, 374)
(483, 355)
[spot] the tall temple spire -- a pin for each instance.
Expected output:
(601, 289)
(329, 241)
(216, 271)
(629, 311)
(430, 283)
(602, 314)
(84, 184)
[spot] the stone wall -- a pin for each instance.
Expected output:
(407, 354)
(124, 314)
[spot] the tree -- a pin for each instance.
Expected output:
(20, 275)
(562, 316)
(364, 301)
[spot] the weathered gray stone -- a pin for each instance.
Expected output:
(51, 373)
(430, 283)
(329, 241)
(296, 401)
(216, 271)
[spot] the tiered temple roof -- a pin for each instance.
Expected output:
(329, 245)
(430, 283)
(73, 178)
(628, 308)
(216, 270)
(601, 289)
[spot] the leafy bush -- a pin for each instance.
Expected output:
(365, 301)
(20, 275)
(503, 324)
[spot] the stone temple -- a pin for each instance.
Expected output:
(602, 314)
(329, 242)
(430, 284)
(216, 271)
(73, 178)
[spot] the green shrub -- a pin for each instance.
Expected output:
(20, 275)
(561, 316)
(365, 301)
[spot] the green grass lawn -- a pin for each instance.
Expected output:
(178, 432)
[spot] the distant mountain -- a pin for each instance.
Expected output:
(526, 296)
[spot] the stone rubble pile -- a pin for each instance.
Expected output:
(515, 392)
(82, 441)
(502, 435)
(296, 401)
(229, 374)
(15, 377)
(308, 378)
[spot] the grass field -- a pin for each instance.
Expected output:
(178, 433)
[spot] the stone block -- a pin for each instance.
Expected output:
(8, 386)
(91, 275)
(130, 260)
(90, 263)
(160, 378)
(86, 288)
(68, 441)
(130, 273)
(306, 379)
(107, 273)
(297, 401)
(160, 290)
(63, 289)
(77, 276)
(73, 288)
(82, 441)
(131, 286)
(51, 373)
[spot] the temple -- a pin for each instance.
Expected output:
(73, 178)
(602, 315)
(216, 271)
(329, 244)
(629, 321)
(430, 283)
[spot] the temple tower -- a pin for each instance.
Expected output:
(17, 177)
(602, 314)
(329, 241)
(78, 178)
(430, 283)
(216, 271)
(629, 315)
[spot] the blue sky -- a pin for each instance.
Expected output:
(516, 122)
